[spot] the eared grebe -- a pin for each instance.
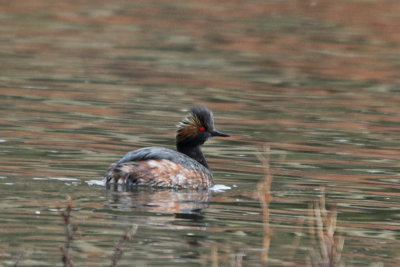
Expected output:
(163, 167)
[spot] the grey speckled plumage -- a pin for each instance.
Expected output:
(155, 152)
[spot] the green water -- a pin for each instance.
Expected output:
(83, 82)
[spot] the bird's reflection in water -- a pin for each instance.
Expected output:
(186, 204)
(155, 210)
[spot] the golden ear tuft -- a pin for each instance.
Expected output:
(189, 127)
(200, 119)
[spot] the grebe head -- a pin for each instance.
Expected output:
(197, 127)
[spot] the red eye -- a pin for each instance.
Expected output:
(202, 129)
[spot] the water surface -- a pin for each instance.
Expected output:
(84, 82)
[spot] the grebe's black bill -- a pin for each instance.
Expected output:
(217, 133)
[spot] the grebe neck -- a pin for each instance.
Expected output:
(194, 152)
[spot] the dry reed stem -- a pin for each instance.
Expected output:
(265, 197)
(19, 258)
(214, 255)
(119, 247)
(228, 255)
(69, 232)
(237, 259)
(323, 231)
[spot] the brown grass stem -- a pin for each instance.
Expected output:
(265, 197)
(69, 232)
(323, 230)
(120, 246)
(19, 258)
(214, 255)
